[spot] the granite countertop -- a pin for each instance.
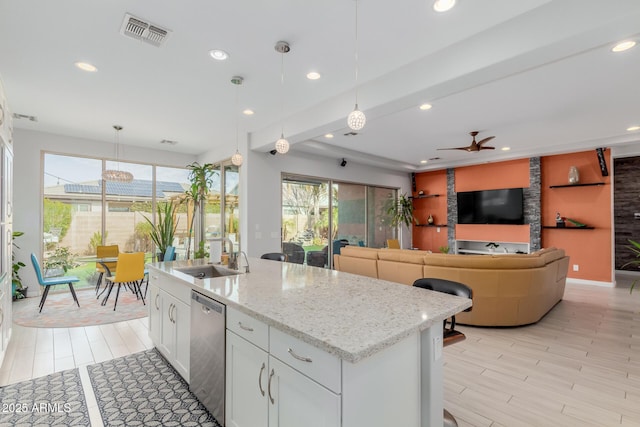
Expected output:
(347, 315)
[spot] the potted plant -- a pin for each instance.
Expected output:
(163, 231)
(17, 290)
(61, 261)
(401, 212)
(201, 179)
(635, 248)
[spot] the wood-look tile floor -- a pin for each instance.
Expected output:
(576, 367)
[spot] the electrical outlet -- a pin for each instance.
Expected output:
(576, 267)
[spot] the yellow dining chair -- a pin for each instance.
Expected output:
(130, 272)
(110, 251)
(393, 244)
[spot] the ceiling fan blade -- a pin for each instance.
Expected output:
(486, 140)
(455, 148)
(486, 148)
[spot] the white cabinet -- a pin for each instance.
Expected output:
(246, 402)
(296, 400)
(170, 321)
(262, 390)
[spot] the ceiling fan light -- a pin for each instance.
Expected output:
(622, 46)
(282, 145)
(356, 119)
(237, 159)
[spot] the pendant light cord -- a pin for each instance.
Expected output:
(282, 94)
(356, 51)
(237, 114)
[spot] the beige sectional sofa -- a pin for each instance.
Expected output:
(508, 289)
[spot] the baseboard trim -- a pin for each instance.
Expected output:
(591, 283)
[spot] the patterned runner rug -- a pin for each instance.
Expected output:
(142, 389)
(53, 400)
(61, 311)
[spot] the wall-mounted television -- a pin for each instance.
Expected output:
(503, 206)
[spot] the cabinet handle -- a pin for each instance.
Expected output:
(269, 387)
(156, 302)
(173, 311)
(260, 379)
(301, 358)
(2, 321)
(246, 328)
(170, 308)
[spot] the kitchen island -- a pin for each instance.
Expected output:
(311, 346)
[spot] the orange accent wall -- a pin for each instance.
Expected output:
(591, 250)
(493, 176)
(431, 238)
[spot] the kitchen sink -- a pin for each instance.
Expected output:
(207, 271)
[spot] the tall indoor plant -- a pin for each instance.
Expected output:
(201, 180)
(17, 290)
(401, 212)
(635, 248)
(163, 231)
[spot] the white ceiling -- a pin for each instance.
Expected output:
(537, 74)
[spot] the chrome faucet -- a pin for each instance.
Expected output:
(233, 257)
(246, 259)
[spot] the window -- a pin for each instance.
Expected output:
(79, 213)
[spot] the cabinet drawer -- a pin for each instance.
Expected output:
(170, 285)
(254, 331)
(315, 363)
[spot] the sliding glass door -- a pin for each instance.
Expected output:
(320, 216)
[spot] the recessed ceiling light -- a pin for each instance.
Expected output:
(328, 135)
(506, 148)
(443, 5)
(85, 66)
(426, 107)
(313, 75)
(248, 112)
(622, 46)
(423, 161)
(633, 128)
(219, 55)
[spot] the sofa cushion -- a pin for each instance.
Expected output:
(506, 261)
(402, 255)
(360, 252)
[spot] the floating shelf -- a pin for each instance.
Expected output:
(567, 228)
(590, 184)
(424, 196)
(431, 225)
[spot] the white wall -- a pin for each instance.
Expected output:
(27, 180)
(263, 195)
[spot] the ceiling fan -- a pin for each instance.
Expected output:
(475, 146)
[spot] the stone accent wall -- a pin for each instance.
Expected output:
(532, 204)
(626, 189)
(452, 209)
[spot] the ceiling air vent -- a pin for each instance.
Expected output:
(168, 142)
(141, 30)
(351, 134)
(24, 116)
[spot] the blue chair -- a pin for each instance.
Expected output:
(50, 281)
(169, 254)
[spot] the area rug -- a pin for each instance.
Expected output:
(61, 311)
(142, 389)
(53, 400)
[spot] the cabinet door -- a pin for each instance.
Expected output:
(246, 403)
(155, 314)
(167, 343)
(298, 400)
(181, 317)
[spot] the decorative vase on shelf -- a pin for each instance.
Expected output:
(430, 220)
(574, 175)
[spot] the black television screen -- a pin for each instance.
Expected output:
(491, 207)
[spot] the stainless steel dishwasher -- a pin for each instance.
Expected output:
(207, 357)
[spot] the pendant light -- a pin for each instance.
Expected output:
(356, 118)
(282, 145)
(116, 175)
(237, 159)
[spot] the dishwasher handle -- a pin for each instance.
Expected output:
(208, 303)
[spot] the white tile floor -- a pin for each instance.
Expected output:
(579, 366)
